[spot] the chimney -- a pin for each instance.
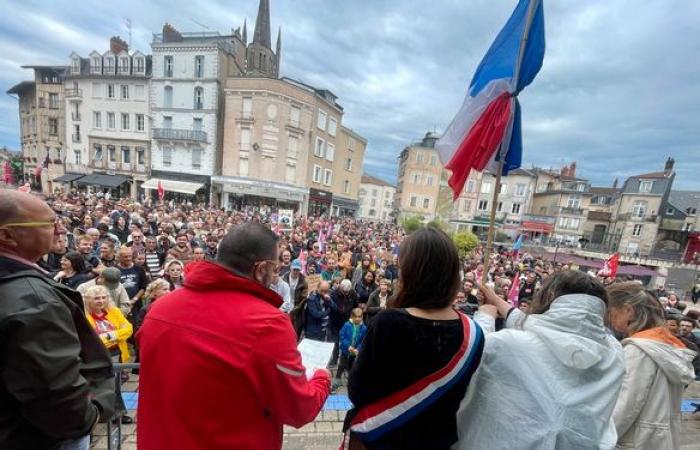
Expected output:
(117, 45)
(572, 169)
(668, 168)
(564, 171)
(170, 34)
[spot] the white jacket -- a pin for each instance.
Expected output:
(647, 414)
(550, 385)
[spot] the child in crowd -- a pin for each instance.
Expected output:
(351, 336)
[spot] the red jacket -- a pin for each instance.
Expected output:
(220, 368)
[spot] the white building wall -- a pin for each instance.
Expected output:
(384, 202)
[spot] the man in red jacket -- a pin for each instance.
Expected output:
(219, 364)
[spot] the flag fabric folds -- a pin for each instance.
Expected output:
(517, 246)
(161, 190)
(610, 266)
(490, 116)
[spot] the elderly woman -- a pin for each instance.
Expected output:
(658, 366)
(552, 378)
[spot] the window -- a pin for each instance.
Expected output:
(168, 97)
(110, 91)
(669, 211)
(330, 151)
(198, 98)
(348, 164)
(245, 139)
(125, 121)
(168, 66)
(112, 153)
(504, 189)
(414, 200)
(140, 125)
(243, 167)
(78, 157)
(374, 192)
(124, 65)
(95, 64)
(199, 66)
(470, 185)
(292, 143)
(416, 178)
(197, 124)
(318, 170)
(483, 205)
(433, 160)
(574, 201)
(126, 155)
(346, 187)
(294, 116)
(419, 158)
(197, 158)
(520, 189)
(247, 112)
(291, 173)
(53, 101)
(75, 65)
(580, 187)
(53, 126)
(485, 188)
(167, 156)
(373, 202)
(332, 126)
(499, 208)
(466, 205)
(125, 92)
(98, 152)
(646, 186)
(327, 177)
(97, 119)
(515, 209)
(140, 156)
(139, 65)
(167, 122)
(639, 208)
(321, 119)
(319, 149)
(429, 180)
(351, 144)
(541, 187)
(97, 90)
(637, 230)
(387, 194)
(426, 203)
(110, 121)
(109, 65)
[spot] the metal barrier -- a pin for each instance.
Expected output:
(114, 431)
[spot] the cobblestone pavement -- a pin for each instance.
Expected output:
(324, 433)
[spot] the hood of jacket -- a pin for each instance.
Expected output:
(205, 276)
(573, 329)
(673, 359)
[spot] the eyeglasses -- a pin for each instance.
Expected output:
(55, 223)
(275, 264)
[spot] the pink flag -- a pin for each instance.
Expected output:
(514, 292)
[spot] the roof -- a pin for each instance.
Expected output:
(651, 175)
(369, 179)
(604, 190)
(683, 200)
(325, 94)
(21, 87)
(521, 171)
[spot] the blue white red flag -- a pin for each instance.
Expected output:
(489, 118)
(517, 246)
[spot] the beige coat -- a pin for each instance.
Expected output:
(647, 413)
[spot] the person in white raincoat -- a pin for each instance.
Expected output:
(659, 366)
(549, 381)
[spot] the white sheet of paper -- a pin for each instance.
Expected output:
(314, 355)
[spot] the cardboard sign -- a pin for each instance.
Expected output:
(285, 218)
(313, 281)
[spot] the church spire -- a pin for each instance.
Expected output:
(245, 32)
(262, 33)
(279, 42)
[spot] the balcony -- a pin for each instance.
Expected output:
(75, 116)
(636, 218)
(245, 118)
(174, 134)
(76, 138)
(76, 168)
(74, 94)
(571, 211)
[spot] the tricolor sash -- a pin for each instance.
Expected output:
(376, 419)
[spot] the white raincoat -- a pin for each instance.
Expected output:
(647, 414)
(550, 385)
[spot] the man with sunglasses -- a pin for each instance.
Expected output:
(218, 354)
(57, 378)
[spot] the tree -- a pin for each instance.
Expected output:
(439, 224)
(411, 224)
(465, 241)
(501, 237)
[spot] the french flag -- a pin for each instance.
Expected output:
(489, 119)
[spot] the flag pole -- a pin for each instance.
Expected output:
(532, 7)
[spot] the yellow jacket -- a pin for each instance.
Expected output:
(123, 331)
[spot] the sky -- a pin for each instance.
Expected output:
(619, 90)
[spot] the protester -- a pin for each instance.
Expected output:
(420, 338)
(51, 262)
(110, 278)
(299, 290)
(57, 378)
(658, 367)
(344, 300)
(133, 277)
(378, 300)
(351, 336)
(536, 376)
(282, 288)
(182, 250)
(154, 257)
(226, 339)
(107, 255)
(365, 288)
(72, 272)
(318, 312)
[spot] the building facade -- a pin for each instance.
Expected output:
(42, 126)
(376, 198)
(419, 181)
(107, 120)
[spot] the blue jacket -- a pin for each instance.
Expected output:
(346, 336)
(318, 317)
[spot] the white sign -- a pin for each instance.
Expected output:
(314, 355)
(285, 218)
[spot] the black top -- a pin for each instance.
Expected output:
(398, 350)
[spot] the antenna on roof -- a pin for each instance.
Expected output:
(200, 24)
(127, 21)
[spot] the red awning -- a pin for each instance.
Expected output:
(537, 226)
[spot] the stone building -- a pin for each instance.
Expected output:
(376, 199)
(42, 125)
(419, 183)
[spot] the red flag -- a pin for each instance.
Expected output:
(610, 266)
(514, 292)
(161, 190)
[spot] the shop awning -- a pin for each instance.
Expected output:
(102, 179)
(540, 227)
(182, 187)
(67, 178)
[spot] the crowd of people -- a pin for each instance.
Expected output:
(212, 303)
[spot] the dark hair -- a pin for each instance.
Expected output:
(429, 270)
(564, 283)
(181, 234)
(246, 244)
(76, 260)
(102, 226)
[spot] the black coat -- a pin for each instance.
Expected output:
(56, 375)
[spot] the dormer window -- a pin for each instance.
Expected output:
(75, 65)
(109, 65)
(124, 64)
(95, 64)
(139, 65)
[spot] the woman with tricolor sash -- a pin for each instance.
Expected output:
(418, 355)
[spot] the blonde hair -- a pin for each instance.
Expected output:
(152, 286)
(93, 291)
(648, 311)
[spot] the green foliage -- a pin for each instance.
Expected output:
(465, 241)
(439, 224)
(501, 237)
(411, 224)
